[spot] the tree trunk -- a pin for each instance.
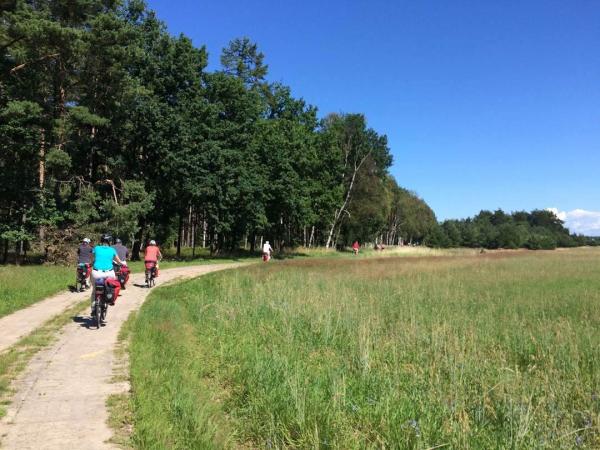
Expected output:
(5, 255)
(137, 243)
(179, 235)
(194, 243)
(42, 164)
(42, 179)
(339, 212)
(18, 253)
(312, 237)
(194, 227)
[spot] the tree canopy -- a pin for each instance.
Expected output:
(109, 123)
(536, 230)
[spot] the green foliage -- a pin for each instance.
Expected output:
(538, 230)
(58, 162)
(242, 59)
(123, 217)
(541, 239)
(109, 123)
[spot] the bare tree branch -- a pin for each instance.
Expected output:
(22, 66)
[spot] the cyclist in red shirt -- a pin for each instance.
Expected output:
(153, 254)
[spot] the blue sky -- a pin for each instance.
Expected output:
(486, 104)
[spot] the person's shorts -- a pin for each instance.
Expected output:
(103, 274)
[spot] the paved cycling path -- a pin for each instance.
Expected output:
(60, 398)
(22, 322)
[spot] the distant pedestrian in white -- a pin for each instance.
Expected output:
(267, 250)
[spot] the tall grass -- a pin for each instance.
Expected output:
(468, 352)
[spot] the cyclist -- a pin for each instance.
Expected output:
(104, 257)
(152, 254)
(122, 272)
(122, 251)
(84, 256)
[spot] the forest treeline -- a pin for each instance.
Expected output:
(109, 123)
(535, 230)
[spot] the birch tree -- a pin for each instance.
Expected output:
(354, 143)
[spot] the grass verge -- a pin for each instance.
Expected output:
(119, 406)
(21, 286)
(468, 352)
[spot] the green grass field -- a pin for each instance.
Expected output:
(481, 352)
(21, 286)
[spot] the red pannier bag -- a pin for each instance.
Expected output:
(113, 287)
(152, 265)
(125, 272)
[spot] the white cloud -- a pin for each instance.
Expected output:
(580, 221)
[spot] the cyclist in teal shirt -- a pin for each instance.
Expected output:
(104, 255)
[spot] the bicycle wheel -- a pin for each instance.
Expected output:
(98, 314)
(104, 311)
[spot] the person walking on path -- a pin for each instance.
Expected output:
(267, 250)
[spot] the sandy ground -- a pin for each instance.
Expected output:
(60, 400)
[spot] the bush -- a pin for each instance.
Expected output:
(541, 240)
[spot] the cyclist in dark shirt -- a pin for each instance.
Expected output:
(84, 252)
(122, 251)
(84, 258)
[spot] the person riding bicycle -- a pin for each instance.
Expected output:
(104, 256)
(121, 271)
(84, 256)
(152, 254)
(122, 251)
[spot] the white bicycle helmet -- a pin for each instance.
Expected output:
(152, 242)
(86, 240)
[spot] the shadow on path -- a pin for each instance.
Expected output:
(85, 321)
